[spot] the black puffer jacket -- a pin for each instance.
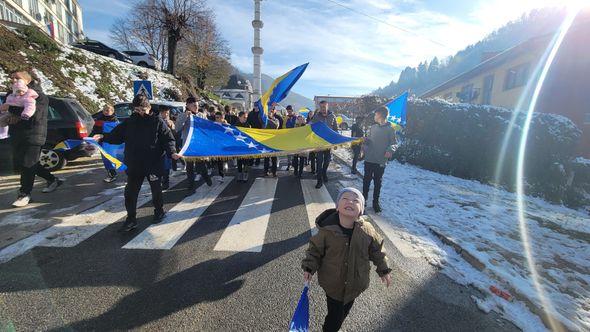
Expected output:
(34, 130)
(147, 139)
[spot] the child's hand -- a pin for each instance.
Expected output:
(307, 276)
(97, 137)
(176, 156)
(386, 279)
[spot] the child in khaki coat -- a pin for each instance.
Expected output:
(341, 253)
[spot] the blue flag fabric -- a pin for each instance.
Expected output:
(300, 321)
(397, 110)
(210, 140)
(115, 150)
(278, 90)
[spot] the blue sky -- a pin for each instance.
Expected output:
(349, 54)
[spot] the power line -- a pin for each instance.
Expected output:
(386, 23)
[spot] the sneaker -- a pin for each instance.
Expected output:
(158, 216)
(129, 225)
(221, 178)
(274, 175)
(165, 185)
(53, 185)
(22, 200)
(319, 185)
(245, 177)
(377, 207)
(110, 178)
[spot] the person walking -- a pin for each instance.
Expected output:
(378, 149)
(290, 123)
(221, 165)
(323, 157)
(106, 115)
(274, 122)
(255, 121)
(243, 164)
(340, 253)
(299, 159)
(28, 135)
(311, 159)
(192, 110)
(147, 141)
(165, 115)
(356, 131)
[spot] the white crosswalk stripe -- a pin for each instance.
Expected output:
(316, 201)
(247, 229)
(179, 219)
(75, 229)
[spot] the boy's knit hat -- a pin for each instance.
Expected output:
(354, 191)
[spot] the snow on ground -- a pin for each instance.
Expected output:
(483, 221)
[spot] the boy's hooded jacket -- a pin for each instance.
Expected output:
(343, 264)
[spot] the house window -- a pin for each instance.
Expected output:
(516, 76)
(488, 85)
(59, 11)
(466, 94)
(34, 7)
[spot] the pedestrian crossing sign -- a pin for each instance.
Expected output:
(143, 87)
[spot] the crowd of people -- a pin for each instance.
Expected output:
(151, 145)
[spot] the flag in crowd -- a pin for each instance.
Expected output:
(397, 111)
(213, 140)
(300, 320)
(278, 91)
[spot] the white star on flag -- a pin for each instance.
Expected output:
(251, 145)
(240, 137)
(228, 130)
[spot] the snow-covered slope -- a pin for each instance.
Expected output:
(67, 71)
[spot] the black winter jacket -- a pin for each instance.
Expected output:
(254, 120)
(99, 122)
(147, 139)
(34, 130)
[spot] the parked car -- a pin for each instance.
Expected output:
(66, 119)
(344, 122)
(124, 110)
(97, 47)
(142, 59)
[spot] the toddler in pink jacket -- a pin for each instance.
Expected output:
(21, 96)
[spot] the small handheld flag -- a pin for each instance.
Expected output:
(397, 111)
(278, 90)
(300, 321)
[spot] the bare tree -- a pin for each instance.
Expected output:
(178, 18)
(205, 54)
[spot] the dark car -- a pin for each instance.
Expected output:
(97, 47)
(66, 119)
(124, 110)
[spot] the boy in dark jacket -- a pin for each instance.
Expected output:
(106, 115)
(147, 141)
(341, 252)
(243, 163)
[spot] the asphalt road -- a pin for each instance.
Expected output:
(99, 285)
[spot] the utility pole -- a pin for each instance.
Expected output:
(257, 24)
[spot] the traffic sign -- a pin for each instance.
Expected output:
(144, 87)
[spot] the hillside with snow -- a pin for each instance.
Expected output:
(68, 71)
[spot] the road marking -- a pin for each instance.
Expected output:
(316, 201)
(179, 219)
(75, 229)
(247, 229)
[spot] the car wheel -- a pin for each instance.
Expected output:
(52, 160)
(112, 55)
(142, 64)
(344, 126)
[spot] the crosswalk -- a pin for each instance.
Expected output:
(246, 232)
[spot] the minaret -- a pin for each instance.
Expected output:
(257, 51)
